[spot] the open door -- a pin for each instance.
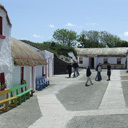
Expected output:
(91, 62)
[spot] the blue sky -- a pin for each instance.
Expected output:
(36, 20)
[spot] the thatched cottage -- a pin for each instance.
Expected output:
(48, 69)
(117, 57)
(25, 61)
(18, 60)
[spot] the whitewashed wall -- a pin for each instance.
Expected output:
(28, 76)
(5, 50)
(85, 62)
(127, 61)
(38, 71)
(34, 78)
(112, 60)
(97, 60)
(16, 76)
(50, 60)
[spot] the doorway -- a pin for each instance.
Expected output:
(91, 62)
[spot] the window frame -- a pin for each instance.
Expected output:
(105, 60)
(2, 78)
(1, 28)
(80, 60)
(118, 60)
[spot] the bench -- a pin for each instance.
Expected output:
(7, 100)
(41, 83)
(114, 65)
(21, 92)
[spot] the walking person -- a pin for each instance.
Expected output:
(96, 78)
(88, 74)
(99, 72)
(108, 71)
(69, 68)
(75, 67)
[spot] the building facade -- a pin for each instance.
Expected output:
(5, 47)
(17, 60)
(117, 57)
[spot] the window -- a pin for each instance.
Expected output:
(118, 60)
(80, 60)
(1, 28)
(2, 78)
(105, 60)
(1, 25)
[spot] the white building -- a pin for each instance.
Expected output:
(93, 56)
(5, 46)
(25, 60)
(48, 69)
(17, 60)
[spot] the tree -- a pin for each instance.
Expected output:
(89, 39)
(92, 36)
(109, 39)
(65, 37)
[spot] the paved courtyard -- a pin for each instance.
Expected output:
(68, 103)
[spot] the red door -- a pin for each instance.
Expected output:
(22, 74)
(32, 77)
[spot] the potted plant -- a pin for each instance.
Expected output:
(23, 82)
(2, 86)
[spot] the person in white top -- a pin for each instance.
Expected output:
(99, 72)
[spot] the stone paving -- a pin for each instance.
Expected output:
(22, 116)
(68, 103)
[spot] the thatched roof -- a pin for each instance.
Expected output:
(23, 54)
(102, 51)
(3, 8)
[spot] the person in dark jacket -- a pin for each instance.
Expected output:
(75, 68)
(108, 71)
(96, 78)
(69, 68)
(88, 74)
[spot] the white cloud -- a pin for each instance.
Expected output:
(51, 26)
(126, 34)
(91, 24)
(37, 36)
(70, 25)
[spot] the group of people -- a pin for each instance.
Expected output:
(88, 72)
(98, 76)
(75, 69)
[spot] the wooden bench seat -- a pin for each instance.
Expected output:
(115, 66)
(7, 99)
(21, 92)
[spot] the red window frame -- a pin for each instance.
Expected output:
(80, 60)
(2, 78)
(1, 28)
